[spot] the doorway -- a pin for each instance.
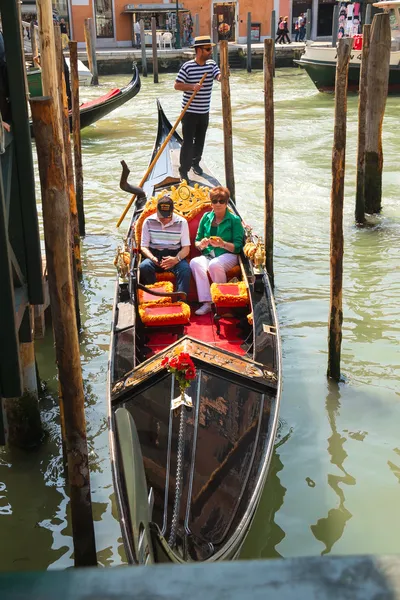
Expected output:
(325, 19)
(104, 19)
(226, 20)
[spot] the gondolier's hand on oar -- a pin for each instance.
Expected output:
(161, 149)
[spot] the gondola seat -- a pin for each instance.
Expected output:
(145, 297)
(228, 298)
(164, 315)
(192, 208)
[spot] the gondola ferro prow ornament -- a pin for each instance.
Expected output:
(127, 187)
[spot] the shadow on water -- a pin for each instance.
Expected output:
(265, 534)
(329, 529)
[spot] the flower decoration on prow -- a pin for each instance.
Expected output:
(183, 368)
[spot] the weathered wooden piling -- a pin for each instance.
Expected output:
(90, 40)
(362, 105)
(269, 155)
(273, 34)
(69, 171)
(48, 55)
(55, 206)
(32, 29)
(368, 12)
(249, 42)
(377, 89)
(154, 48)
(337, 198)
(227, 118)
(143, 48)
(308, 25)
(214, 38)
(76, 131)
(196, 25)
(335, 25)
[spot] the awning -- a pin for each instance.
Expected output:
(28, 8)
(154, 8)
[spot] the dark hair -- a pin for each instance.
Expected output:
(220, 193)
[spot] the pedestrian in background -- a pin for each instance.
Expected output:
(279, 31)
(136, 30)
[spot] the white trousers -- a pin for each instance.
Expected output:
(217, 267)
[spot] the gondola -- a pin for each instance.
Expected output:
(96, 109)
(189, 465)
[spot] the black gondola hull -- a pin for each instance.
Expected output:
(228, 434)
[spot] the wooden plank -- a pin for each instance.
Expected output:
(321, 577)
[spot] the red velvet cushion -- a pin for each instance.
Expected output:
(193, 227)
(156, 309)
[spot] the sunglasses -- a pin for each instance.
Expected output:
(215, 201)
(207, 49)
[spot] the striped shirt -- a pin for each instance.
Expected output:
(172, 236)
(191, 72)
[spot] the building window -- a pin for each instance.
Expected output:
(104, 18)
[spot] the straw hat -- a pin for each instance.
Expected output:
(202, 40)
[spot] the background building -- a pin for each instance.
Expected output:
(114, 18)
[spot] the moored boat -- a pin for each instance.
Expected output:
(190, 461)
(96, 109)
(34, 77)
(320, 61)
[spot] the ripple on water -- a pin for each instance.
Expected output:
(333, 483)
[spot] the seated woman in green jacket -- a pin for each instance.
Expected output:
(220, 239)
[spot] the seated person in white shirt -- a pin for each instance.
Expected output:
(165, 245)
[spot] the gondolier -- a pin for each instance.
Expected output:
(195, 120)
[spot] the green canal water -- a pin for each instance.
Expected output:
(334, 482)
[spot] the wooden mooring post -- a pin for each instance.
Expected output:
(154, 48)
(90, 40)
(143, 48)
(227, 118)
(69, 170)
(273, 34)
(308, 25)
(34, 44)
(76, 131)
(249, 42)
(55, 205)
(335, 25)
(337, 197)
(48, 55)
(196, 25)
(377, 89)
(362, 105)
(214, 38)
(269, 155)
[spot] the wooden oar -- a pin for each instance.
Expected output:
(157, 156)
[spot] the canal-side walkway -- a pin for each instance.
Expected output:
(112, 61)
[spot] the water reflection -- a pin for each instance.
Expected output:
(297, 512)
(329, 529)
(266, 534)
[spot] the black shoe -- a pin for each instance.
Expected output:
(183, 175)
(197, 169)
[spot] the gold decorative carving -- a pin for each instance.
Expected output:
(195, 349)
(188, 203)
